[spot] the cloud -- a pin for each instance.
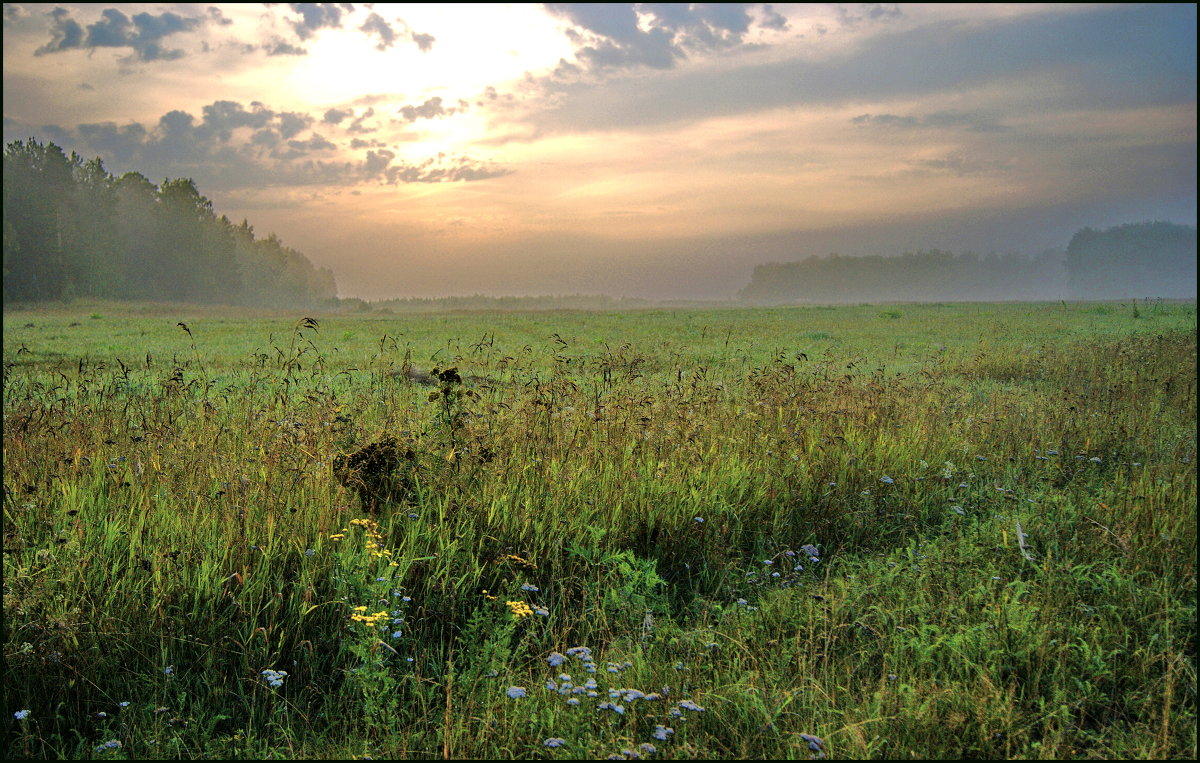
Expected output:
(431, 109)
(336, 116)
(654, 35)
(376, 25)
(439, 169)
(853, 16)
(941, 119)
(292, 123)
(218, 16)
(357, 125)
(65, 33)
(234, 147)
(316, 142)
(316, 16)
(277, 46)
(424, 41)
(957, 164)
(143, 33)
(14, 12)
(1062, 60)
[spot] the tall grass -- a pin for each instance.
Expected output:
(965, 531)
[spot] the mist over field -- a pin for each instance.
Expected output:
(658, 152)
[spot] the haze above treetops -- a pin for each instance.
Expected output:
(640, 150)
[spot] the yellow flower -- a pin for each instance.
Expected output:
(519, 608)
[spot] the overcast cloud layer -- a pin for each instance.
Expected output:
(649, 149)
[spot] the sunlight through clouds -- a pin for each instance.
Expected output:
(627, 128)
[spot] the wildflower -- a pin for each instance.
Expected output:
(768, 561)
(274, 677)
(582, 652)
(413, 515)
(554, 742)
(168, 670)
(111, 744)
(101, 714)
(814, 743)
(591, 684)
(698, 520)
(647, 748)
(589, 667)
(618, 709)
(519, 609)
(123, 704)
(892, 676)
(397, 634)
(886, 480)
(573, 702)
(309, 551)
(811, 550)
(528, 587)
(687, 704)
(958, 510)
(742, 602)
(551, 686)
(516, 692)
(1095, 459)
(540, 612)
(555, 659)
(632, 694)
(21, 715)
(662, 732)
(566, 677)
(963, 485)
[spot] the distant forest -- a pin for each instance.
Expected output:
(1153, 259)
(71, 229)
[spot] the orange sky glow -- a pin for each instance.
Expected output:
(633, 150)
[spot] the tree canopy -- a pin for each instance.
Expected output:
(72, 229)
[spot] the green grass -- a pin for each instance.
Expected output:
(1002, 496)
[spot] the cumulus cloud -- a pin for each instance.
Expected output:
(655, 35)
(218, 16)
(357, 125)
(143, 33)
(317, 16)
(277, 46)
(424, 41)
(232, 146)
(431, 109)
(375, 25)
(337, 116)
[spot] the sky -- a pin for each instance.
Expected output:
(643, 150)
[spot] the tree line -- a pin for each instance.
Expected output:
(72, 229)
(1152, 259)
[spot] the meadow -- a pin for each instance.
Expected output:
(870, 531)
